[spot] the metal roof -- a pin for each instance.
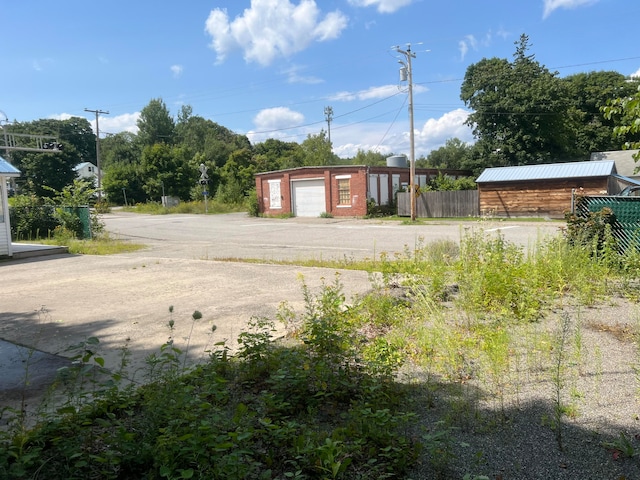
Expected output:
(551, 171)
(8, 170)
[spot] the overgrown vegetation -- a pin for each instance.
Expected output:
(66, 213)
(213, 206)
(342, 394)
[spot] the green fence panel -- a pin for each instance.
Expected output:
(626, 211)
(84, 215)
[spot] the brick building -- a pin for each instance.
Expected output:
(338, 190)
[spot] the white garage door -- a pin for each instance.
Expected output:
(308, 198)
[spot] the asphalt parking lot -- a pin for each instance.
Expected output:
(52, 302)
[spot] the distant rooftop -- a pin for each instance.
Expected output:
(8, 170)
(551, 171)
(625, 163)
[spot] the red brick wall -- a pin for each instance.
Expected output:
(358, 190)
(358, 180)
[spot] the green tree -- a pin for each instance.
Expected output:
(123, 180)
(42, 172)
(627, 113)
(369, 158)
(121, 147)
(56, 169)
(316, 150)
(205, 137)
(454, 154)
(519, 109)
(155, 124)
(166, 169)
(589, 92)
(273, 154)
(236, 177)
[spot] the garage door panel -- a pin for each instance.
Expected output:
(308, 198)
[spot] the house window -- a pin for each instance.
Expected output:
(344, 191)
(274, 194)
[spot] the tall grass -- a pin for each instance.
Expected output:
(331, 400)
(213, 206)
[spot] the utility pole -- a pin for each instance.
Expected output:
(98, 112)
(412, 157)
(328, 113)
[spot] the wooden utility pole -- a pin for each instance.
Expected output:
(98, 112)
(412, 158)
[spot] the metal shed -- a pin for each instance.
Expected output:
(542, 190)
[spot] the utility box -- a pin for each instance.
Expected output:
(168, 201)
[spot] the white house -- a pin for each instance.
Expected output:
(88, 171)
(6, 171)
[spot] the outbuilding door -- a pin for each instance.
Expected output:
(308, 197)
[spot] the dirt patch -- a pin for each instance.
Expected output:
(510, 431)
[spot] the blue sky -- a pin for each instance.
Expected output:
(268, 68)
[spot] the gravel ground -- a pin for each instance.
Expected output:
(512, 436)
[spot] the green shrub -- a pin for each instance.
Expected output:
(32, 217)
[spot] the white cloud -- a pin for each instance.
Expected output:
(636, 74)
(375, 136)
(468, 42)
(275, 122)
(374, 93)
(551, 5)
(436, 131)
(127, 122)
(40, 64)
(271, 29)
(383, 6)
(176, 70)
(295, 75)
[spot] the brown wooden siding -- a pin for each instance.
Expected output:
(535, 198)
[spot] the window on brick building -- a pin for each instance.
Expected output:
(344, 191)
(274, 194)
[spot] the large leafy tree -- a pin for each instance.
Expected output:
(166, 169)
(369, 157)
(44, 172)
(519, 109)
(122, 183)
(627, 111)
(454, 154)
(236, 177)
(155, 124)
(121, 147)
(274, 154)
(53, 170)
(588, 93)
(316, 150)
(205, 137)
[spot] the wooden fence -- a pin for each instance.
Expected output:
(457, 203)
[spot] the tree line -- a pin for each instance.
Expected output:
(522, 113)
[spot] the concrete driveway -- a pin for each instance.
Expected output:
(52, 302)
